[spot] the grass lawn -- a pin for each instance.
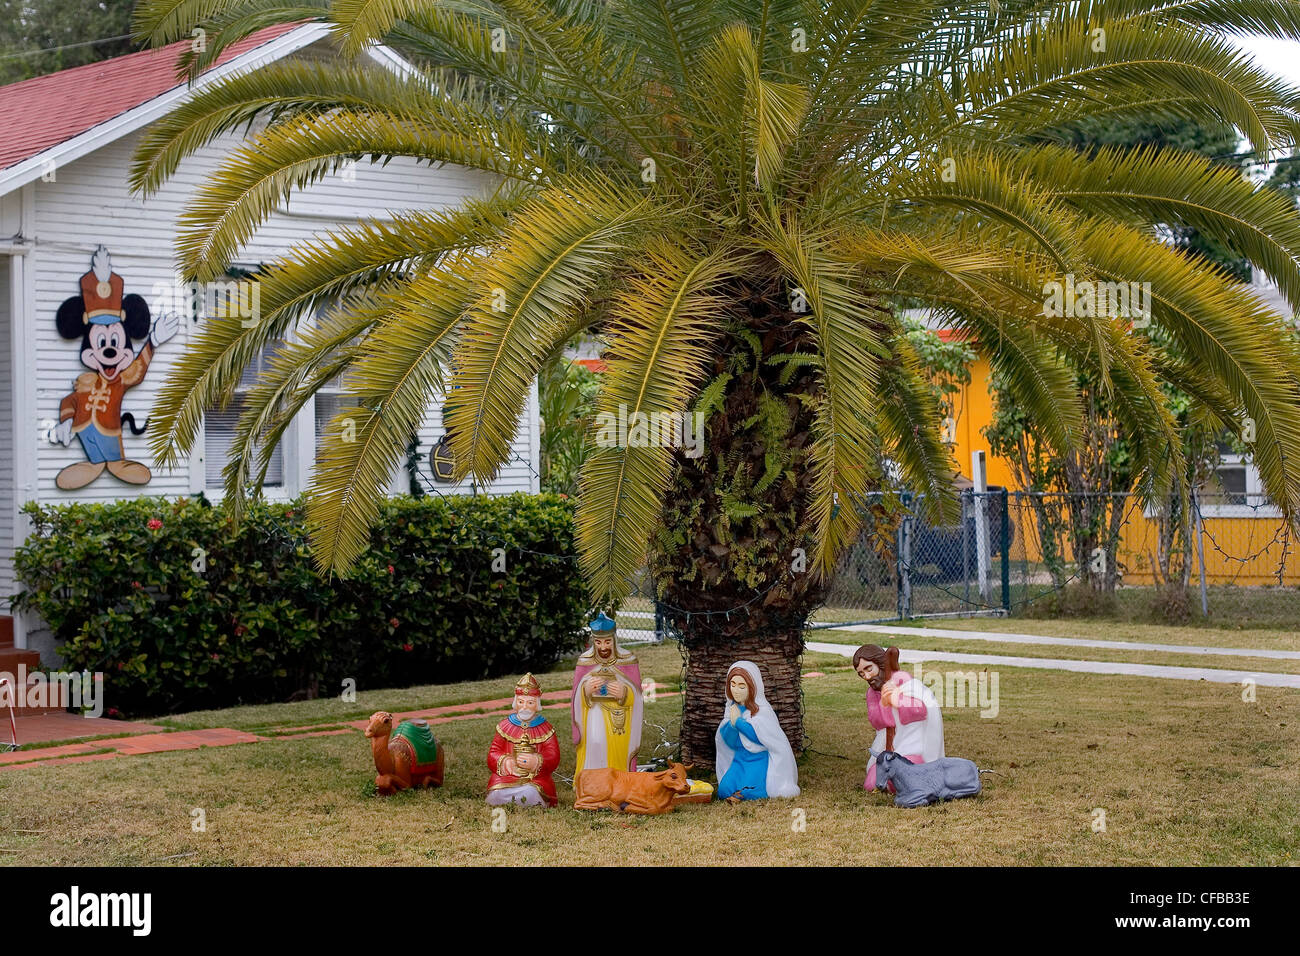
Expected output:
(1187, 773)
(1147, 633)
(1242, 609)
(1274, 638)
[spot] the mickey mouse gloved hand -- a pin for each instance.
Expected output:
(164, 328)
(63, 432)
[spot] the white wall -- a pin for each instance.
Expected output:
(7, 491)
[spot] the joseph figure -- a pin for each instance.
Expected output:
(606, 703)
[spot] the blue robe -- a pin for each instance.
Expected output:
(747, 775)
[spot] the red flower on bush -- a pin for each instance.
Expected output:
(393, 622)
(216, 657)
(136, 585)
(154, 524)
(240, 630)
(390, 569)
(408, 647)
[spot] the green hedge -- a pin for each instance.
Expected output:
(117, 584)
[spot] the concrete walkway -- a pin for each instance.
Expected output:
(1261, 678)
(999, 638)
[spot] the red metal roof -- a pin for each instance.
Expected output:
(47, 110)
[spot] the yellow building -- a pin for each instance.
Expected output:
(1245, 540)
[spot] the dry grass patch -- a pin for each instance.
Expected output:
(1186, 772)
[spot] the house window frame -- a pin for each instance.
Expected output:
(1264, 508)
(290, 444)
(1257, 504)
(333, 387)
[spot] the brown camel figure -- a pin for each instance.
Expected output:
(408, 758)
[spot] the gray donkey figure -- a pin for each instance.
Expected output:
(918, 784)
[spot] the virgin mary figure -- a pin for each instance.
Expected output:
(755, 760)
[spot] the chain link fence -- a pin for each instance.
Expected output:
(1228, 556)
(1028, 552)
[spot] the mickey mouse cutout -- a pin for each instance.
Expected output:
(106, 322)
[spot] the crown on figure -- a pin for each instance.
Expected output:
(527, 686)
(602, 625)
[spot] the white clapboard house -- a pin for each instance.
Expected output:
(69, 138)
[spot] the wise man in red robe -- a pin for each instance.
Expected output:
(524, 752)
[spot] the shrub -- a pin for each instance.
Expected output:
(1076, 599)
(181, 607)
(1172, 604)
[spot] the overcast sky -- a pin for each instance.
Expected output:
(1277, 56)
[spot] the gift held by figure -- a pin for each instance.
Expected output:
(701, 791)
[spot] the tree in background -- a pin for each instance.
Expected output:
(1286, 175)
(43, 36)
(566, 393)
(1082, 507)
(947, 362)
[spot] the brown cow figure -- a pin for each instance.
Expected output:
(605, 788)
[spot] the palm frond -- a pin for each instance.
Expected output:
(1160, 187)
(661, 331)
(906, 416)
(258, 178)
(845, 324)
(550, 259)
(396, 374)
(1248, 348)
(296, 371)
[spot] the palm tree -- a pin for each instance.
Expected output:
(737, 195)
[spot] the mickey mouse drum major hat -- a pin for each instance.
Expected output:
(101, 291)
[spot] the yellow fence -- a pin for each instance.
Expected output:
(1244, 541)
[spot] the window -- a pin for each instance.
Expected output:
(1228, 483)
(220, 425)
(329, 399)
(1233, 488)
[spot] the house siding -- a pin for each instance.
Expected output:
(1254, 546)
(8, 497)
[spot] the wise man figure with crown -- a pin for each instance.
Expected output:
(606, 703)
(524, 752)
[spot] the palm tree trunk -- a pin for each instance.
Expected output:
(730, 563)
(777, 654)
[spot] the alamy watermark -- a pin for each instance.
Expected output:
(962, 688)
(1088, 299)
(229, 298)
(75, 690)
(624, 429)
(75, 908)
